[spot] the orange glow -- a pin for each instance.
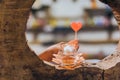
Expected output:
(76, 26)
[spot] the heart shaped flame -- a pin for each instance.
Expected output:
(76, 26)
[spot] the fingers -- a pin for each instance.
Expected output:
(74, 43)
(57, 56)
(57, 61)
(47, 55)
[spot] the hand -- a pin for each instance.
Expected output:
(74, 43)
(76, 62)
(47, 55)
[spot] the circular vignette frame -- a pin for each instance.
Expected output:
(24, 64)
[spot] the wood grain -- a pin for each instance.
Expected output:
(18, 62)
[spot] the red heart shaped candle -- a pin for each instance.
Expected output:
(76, 26)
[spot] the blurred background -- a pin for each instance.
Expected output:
(49, 23)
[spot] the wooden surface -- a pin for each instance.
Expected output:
(18, 62)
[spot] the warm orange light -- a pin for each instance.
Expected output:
(76, 26)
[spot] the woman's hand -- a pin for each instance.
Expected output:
(47, 55)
